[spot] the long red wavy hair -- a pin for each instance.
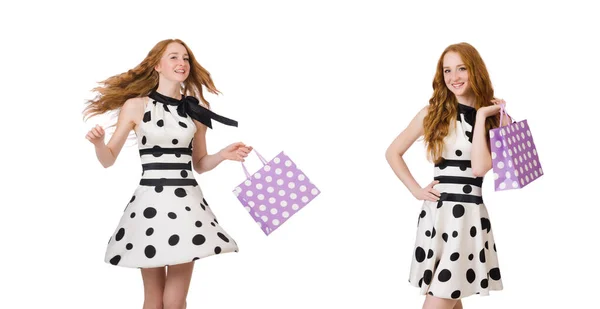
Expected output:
(443, 104)
(141, 80)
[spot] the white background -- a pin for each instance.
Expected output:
(331, 84)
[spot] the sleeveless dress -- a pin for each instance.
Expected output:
(168, 220)
(455, 253)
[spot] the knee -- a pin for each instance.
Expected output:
(153, 304)
(173, 303)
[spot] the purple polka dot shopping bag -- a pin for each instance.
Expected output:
(514, 156)
(275, 192)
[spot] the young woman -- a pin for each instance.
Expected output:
(167, 224)
(455, 253)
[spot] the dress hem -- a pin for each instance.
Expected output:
(181, 261)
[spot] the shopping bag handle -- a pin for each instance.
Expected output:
(262, 159)
(502, 112)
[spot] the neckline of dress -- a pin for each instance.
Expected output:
(155, 95)
(465, 108)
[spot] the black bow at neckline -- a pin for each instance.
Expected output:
(470, 113)
(189, 105)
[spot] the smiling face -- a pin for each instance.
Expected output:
(456, 76)
(174, 64)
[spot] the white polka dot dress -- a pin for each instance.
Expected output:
(455, 253)
(168, 220)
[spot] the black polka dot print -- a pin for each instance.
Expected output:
(459, 261)
(470, 275)
(162, 224)
(180, 192)
(419, 254)
(427, 276)
(199, 240)
(149, 212)
(174, 240)
(115, 260)
(150, 251)
(120, 234)
(455, 294)
(495, 273)
(485, 224)
(454, 256)
(458, 210)
(484, 284)
(444, 275)
(482, 256)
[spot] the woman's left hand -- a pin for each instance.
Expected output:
(491, 110)
(235, 152)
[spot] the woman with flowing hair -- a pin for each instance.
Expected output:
(167, 224)
(455, 253)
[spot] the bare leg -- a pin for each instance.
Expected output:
(154, 285)
(458, 305)
(177, 285)
(432, 302)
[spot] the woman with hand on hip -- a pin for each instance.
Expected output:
(167, 224)
(455, 253)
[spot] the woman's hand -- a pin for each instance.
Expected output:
(428, 193)
(236, 152)
(95, 135)
(491, 110)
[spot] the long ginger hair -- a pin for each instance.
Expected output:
(142, 79)
(443, 104)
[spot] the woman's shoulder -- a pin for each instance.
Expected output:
(134, 105)
(423, 112)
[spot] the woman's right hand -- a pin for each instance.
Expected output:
(95, 135)
(428, 193)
